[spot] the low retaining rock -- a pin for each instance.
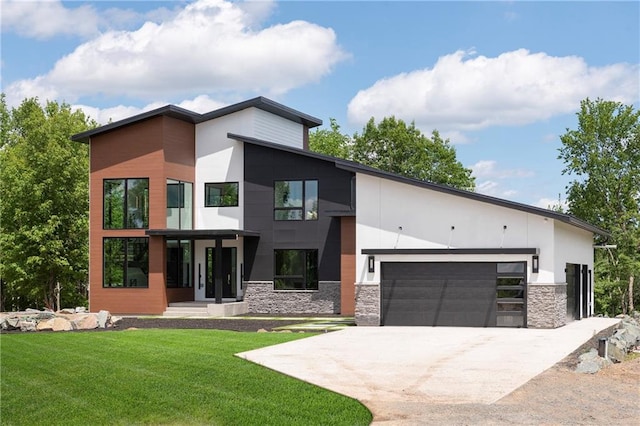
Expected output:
(63, 320)
(625, 339)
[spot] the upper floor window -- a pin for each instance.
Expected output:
(126, 203)
(296, 200)
(221, 194)
(179, 204)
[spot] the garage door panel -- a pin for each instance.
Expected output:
(446, 294)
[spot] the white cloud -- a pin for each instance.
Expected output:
(209, 46)
(549, 203)
(45, 19)
(463, 92)
(201, 104)
(495, 189)
(489, 169)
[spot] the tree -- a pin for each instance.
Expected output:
(331, 142)
(44, 205)
(393, 146)
(604, 156)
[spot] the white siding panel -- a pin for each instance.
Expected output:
(220, 159)
(276, 129)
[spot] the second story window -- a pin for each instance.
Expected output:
(221, 194)
(296, 200)
(179, 204)
(126, 203)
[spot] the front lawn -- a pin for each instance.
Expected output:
(157, 377)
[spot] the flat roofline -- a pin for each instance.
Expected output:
(201, 234)
(444, 251)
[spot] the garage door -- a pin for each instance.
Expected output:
(444, 294)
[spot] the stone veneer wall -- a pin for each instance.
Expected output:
(263, 299)
(368, 304)
(546, 305)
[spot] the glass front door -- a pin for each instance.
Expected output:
(229, 273)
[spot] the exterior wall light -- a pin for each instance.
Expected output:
(535, 264)
(371, 260)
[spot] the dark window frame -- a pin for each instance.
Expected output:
(126, 280)
(309, 276)
(302, 209)
(126, 220)
(179, 264)
(222, 195)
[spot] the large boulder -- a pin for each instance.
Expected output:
(85, 322)
(61, 324)
(591, 363)
(103, 318)
(45, 325)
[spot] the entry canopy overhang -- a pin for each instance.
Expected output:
(201, 234)
(525, 250)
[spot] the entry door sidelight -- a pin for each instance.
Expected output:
(229, 273)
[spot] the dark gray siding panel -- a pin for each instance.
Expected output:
(264, 166)
(444, 294)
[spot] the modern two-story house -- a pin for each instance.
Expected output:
(230, 208)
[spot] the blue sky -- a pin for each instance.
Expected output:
(501, 80)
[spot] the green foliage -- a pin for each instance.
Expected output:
(168, 377)
(604, 156)
(331, 142)
(44, 205)
(393, 146)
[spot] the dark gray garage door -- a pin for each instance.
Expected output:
(444, 294)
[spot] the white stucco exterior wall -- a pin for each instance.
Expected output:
(220, 159)
(394, 215)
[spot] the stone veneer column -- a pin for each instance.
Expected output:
(368, 304)
(546, 305)
(262, 298)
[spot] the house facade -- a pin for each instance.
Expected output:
(230, 208)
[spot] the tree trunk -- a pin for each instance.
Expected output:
(631, 293)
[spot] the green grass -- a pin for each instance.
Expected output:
(185, 377)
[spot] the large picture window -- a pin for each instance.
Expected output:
(296, 270)
(126, 203)
(126, 262)
(296, 200)
(221, 194)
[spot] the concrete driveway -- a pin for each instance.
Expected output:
(429, 365)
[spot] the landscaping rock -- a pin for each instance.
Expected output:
(85, 322)
(591, 363)
(45, 325)
(115, 321)
(103, 317)
(27, 325)
(61, 324)
(80, 309)
(45, 315)
(64, 320)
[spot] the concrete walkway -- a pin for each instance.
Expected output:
(452, 365)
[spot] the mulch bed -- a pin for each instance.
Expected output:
(233, 324)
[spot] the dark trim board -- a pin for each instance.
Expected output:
(441, 251)
(201, 234)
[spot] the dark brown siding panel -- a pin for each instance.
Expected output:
(157, 148)
(347, 265)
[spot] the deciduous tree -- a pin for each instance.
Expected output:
(392, 145)
(44, 205)
(603, 155)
